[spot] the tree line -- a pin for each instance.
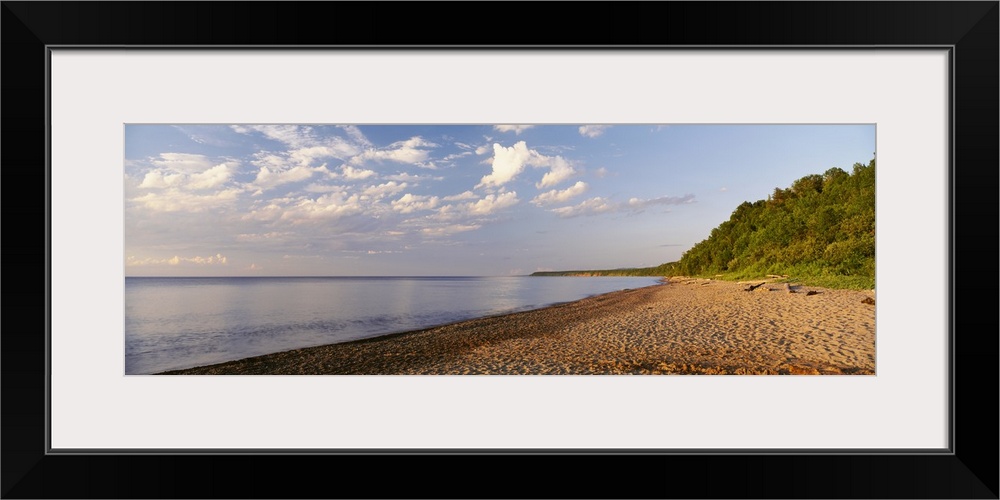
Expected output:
(821, 230)
(823, 226)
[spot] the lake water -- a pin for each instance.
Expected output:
(173, 323)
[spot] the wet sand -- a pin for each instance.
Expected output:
(683, 326)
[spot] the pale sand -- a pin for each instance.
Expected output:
(684, 326)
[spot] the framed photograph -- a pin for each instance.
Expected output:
(177, 165)
(432, 249)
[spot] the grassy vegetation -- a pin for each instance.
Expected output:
(818, 232)
(825, 281)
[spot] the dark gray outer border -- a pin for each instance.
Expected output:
(969, 27)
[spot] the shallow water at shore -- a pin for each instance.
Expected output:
(175, 323)
(686, 326)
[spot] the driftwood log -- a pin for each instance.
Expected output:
(754, 287)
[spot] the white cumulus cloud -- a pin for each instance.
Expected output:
(412, 151)
(305, 145)
(328, 206)
(187, 171)
(305, 209)
(157, 179)
(267, 178)
(382, 190)
(492, 203)
(306, 156)
(211, 178)
(560, 171)
(467, 195)
(410, 203)
(517, 129)
(355, 174)
(478, 209)
(408, 177)
(592, 206)
(509, 162)
(593, 130)
(322, 188)
(556, 196)
(175, 200)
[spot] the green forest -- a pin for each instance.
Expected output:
(820, 231)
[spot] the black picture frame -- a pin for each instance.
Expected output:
(969, 470)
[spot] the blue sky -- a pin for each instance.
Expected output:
(492, 200)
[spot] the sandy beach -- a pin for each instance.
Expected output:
(683, 326)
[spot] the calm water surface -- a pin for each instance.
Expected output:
(173, 323)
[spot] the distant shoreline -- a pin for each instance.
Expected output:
(683, 326)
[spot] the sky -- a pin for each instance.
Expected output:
(449, 200)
